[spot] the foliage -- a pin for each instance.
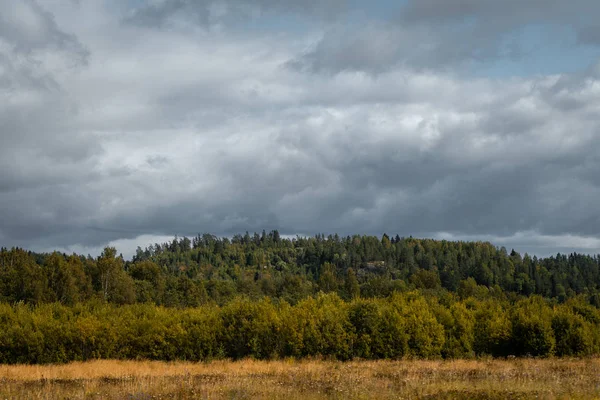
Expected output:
(189, 272)
(404, 325)
(264, 296)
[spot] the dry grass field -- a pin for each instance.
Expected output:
(308, 379)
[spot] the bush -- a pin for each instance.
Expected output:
(425, 333)
(573, 334)
(532, 333)
(492, 330)
(405, 324)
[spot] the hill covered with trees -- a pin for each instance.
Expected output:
(189, 272)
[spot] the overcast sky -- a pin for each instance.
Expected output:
(129, 122)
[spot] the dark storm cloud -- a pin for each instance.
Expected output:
(168, 131)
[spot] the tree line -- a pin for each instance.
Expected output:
(411, 324)
(214, 270)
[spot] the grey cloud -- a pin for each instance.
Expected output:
(184, 134)
(460, 11)
(344, 48)
(487, 25)
(157, 161)
(205, 12)
(158, 14)
(574, 92)
(430, 34)
(348, 171)
(42, 157)
(589, 35)
(382, 46)
(450, 34)
(28, 28)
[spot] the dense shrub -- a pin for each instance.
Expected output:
(403, 325)
(532, 328)
(425, 333)
(574, 335)
(493, 329)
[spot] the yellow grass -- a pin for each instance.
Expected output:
(307, 379)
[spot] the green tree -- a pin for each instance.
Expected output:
(67, 279)
(116, 285)
(352, 286)
(327, 280)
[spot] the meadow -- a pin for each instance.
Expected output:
(551, 378)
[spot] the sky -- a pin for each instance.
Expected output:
(126, 123)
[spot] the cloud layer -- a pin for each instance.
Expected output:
(174, 117)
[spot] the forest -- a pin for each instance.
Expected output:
(264, 296)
